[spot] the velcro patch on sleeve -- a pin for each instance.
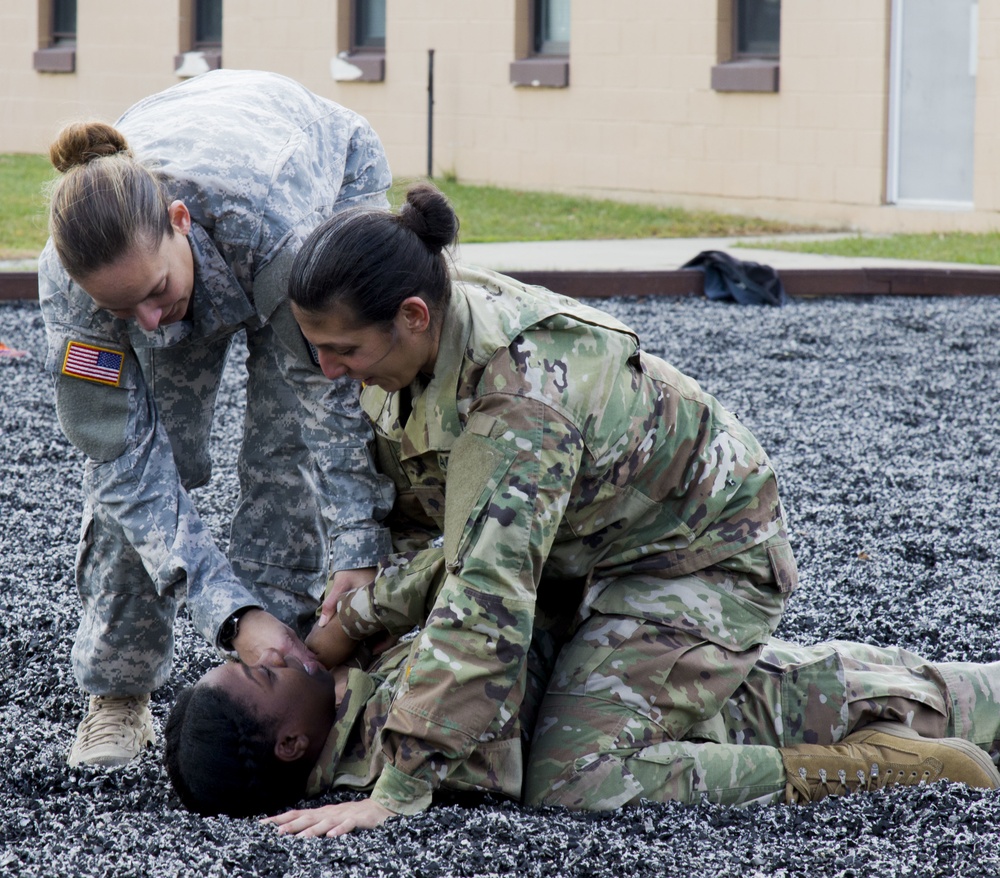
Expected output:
(102, 365)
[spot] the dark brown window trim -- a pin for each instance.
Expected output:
(759, 75)
(540, 72)
(58, 59)
(365, 66)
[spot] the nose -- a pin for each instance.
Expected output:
(148, 316)
(271, 658)
(331, 366)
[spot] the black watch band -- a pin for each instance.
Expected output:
(230, 628)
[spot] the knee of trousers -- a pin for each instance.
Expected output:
(125, 644)
(596, 782)
(575, 757)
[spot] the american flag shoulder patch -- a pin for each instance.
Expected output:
(92, 363)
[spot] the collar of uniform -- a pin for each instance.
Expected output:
(434, 421)
(360, 687)
(223, 303)
(219, 304)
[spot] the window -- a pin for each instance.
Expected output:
(551, 26)
(541, 43)
(207, 25)
(361, 41)
(369, 25)
(200, 37)
(749, 46)
(63, 22)
(56, 37)
(757, 28)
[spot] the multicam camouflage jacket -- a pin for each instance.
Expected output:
(260, 162)
(356, 753)
(553, 457)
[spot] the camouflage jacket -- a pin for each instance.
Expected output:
(260, 162)
(355, 755)
(554, 457)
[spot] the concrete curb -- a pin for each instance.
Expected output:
(799, 283)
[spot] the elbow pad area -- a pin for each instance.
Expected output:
(93, 417)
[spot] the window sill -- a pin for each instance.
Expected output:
(358, 67)
(192, 63)
(757, 75)
(540, 72)
(58, 59)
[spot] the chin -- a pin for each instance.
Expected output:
(177, 314)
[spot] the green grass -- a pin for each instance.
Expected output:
(488, 213)
(22, 204)
(977, 249)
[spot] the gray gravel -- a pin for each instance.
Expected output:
(882, 418)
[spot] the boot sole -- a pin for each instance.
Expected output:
(980, 757)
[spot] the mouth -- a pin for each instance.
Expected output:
(176, 313)
(311, 667)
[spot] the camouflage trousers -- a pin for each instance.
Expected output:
(279, 540)
(624, 717)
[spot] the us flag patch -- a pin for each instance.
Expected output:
(93, 364)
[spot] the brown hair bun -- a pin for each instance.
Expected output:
(82, 142)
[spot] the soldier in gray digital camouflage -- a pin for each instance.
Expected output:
(172, 233)
(808, 722)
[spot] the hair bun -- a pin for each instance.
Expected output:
(82, 142)
(430, 216)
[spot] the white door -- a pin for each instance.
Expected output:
(932, 103)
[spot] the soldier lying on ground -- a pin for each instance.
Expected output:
(172, 235)
(555, 461)
(808, 722)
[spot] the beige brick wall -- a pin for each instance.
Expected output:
(125, 51)
(639, 120)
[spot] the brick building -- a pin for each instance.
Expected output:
(882, 115)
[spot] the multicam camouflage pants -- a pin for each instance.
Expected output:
(618, 721)
(279, 539)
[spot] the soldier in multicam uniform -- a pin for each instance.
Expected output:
(558, 462)
(807, 722)
(565, 473)
(172, 233)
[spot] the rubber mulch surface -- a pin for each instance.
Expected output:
(882, 417)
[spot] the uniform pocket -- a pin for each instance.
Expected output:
(476, 469)
(84, 547)
(783, 566)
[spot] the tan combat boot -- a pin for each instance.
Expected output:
(114, 731)
(881, 755)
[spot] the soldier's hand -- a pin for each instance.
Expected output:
(331, 820)
(343, 581)
(331, 644)
(260, 631)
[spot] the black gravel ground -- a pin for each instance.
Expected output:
(882, 418)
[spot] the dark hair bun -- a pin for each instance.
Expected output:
(430, 216)
(82, 142)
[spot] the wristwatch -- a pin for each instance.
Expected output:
(230, 628)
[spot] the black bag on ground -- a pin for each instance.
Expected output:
(748, 283)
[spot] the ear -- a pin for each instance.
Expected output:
(291, 748)
(415, 313)
(180, 217)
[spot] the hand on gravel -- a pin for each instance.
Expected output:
(331, 820)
